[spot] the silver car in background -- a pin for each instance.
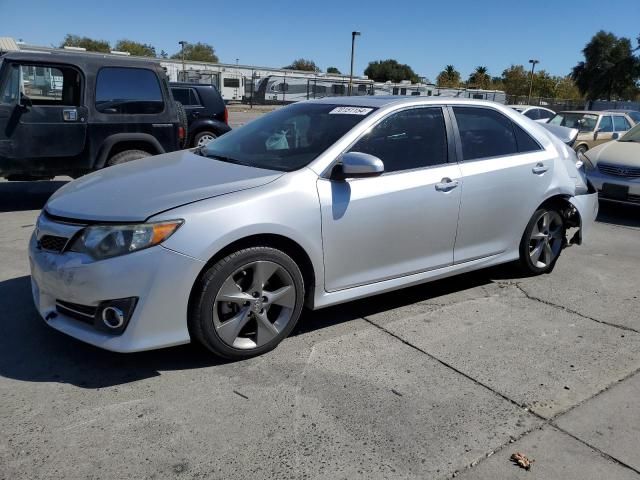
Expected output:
(314, 204)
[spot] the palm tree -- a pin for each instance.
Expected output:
(449, 77)
(480, 78)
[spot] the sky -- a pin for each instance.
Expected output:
(425, 35)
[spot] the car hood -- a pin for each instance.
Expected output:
(616, 153)
(136, 190)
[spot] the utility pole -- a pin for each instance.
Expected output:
(533, 66)
(184, 70)
(353, 43)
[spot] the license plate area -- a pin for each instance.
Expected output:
(615, 192)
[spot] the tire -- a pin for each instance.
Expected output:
(184, 123)
(203, 137)
(542, 241)
(127, 156)
(581, 149)
(233, 316)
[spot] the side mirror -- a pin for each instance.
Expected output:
(25, 102)
(359, 165)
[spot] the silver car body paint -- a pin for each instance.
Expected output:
(362, 236)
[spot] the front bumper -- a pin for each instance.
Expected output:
(161, 279)
(599, 179)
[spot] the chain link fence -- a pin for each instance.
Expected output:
(555, 104)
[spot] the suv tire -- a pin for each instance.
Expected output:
(184, 123)
(127, 156)
(203, 136)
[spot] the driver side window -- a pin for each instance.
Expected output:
(413, 138)
(606, 125)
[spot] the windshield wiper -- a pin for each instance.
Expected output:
(222, 158)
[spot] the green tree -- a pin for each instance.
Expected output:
(90, 44)
(515, 80)
(163, 54)
(135, 48)
(390, 70)
(479, 78)
(333, 70)
(197, 52)
(609, 69)
(566, 89)
(303, 64)
(449, 77)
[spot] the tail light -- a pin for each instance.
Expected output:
(181, 133)
(226, 115)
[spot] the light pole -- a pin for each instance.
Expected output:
(182, 44)
(533, 66)
(353, 44)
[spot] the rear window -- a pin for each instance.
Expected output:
(128, 91)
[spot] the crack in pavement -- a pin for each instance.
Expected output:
(567, 309)
(545, 421)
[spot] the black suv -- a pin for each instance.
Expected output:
(207, 114)
(69, 114)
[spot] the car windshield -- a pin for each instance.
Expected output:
(287, 139)
(632, 135)
(584, 121)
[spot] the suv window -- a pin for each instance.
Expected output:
(44, 85)
(128, 91)
(186, 96)
(606, 125)
(413, 138)
(621, 124)
(484, 133)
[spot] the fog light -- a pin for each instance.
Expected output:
(114, 315)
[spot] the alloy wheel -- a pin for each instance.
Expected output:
(204, 139)
(254, 304)
(546, 239)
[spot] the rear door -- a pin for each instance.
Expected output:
(51, 122)
(505, 173)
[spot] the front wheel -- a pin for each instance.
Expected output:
(542, 241)
(202, 138)
(247, 303)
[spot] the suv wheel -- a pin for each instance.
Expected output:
(247, 303)
(203, 138)
(127, 156)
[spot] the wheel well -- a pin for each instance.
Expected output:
(288, 246)
(131, 145)
(568, 211)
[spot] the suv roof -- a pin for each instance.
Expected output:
(79, 58)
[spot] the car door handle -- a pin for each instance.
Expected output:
(446, 184)
(539, 169)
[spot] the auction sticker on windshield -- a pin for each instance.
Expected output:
(350, 110)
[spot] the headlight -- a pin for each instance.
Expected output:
(106, 241)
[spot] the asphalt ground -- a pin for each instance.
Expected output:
(444, 379)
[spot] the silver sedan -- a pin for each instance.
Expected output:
(315, 204)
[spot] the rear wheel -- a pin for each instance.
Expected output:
(247, 303)
(202, 138)
(542, 241)
(127, 156)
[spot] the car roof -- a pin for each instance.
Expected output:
(621, 110)
(592, 112)
(379, 101)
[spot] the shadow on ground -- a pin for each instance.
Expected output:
(30, 351)
(619, 214)
(20, 196)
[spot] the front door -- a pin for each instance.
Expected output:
(41, 117)
(401, 222)
(604, 131)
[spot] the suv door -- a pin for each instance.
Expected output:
(41, 116)
(506, 174)
(403, 221)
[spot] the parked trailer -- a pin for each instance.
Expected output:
(283, 89)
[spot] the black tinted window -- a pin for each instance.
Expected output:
(524, 140)
(533, 114)
(545, 114)
(484, 133)
(181, 95)
(409, 139)
(128, 90)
